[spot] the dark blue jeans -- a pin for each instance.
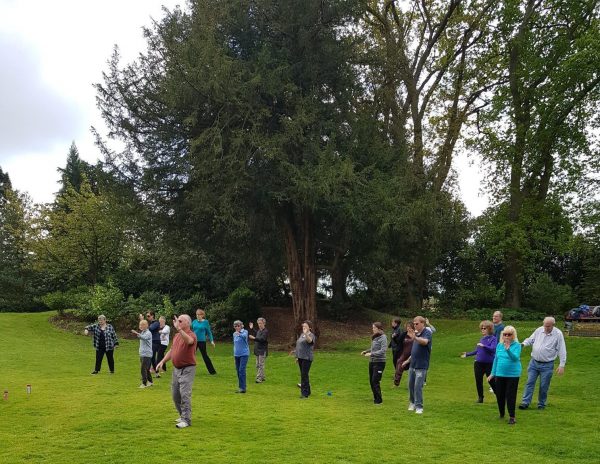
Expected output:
(240, 367)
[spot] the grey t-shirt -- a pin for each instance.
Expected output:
(304, 349)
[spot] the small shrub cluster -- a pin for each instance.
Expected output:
(509, 314)
(241, 304)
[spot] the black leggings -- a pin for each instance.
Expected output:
(109, 357)
(480, 369)
(209, 365)
(375, 373)
(506, 394)
(304, 365)
(161, 354)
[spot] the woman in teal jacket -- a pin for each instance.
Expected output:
(201, 328)
(506, 372)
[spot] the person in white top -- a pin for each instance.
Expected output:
(164, 332)
(548, 343)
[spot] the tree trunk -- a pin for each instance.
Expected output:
(512, 277)
(300, 251)
(415, 287)
(339, 275)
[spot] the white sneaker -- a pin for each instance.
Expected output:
(182, 425)
(419, 411)
(142, 386)
(179, 419)
(411, 407)
(491, 390)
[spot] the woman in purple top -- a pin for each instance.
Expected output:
(484, 357)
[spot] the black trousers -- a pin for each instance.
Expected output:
(506, 394)
(161, 354)
(304, 365)
(395, 356)
(480, 369)
(155, 350)
(209, 365)
(145, 364)
(109, 357)
(375, 372)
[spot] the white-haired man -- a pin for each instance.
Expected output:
(547, 344)
(183, 356)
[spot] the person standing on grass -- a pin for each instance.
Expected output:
(548, 343)
(153, 327)
(201, 328)
(165, 332)
(396, 339)
(506, 371)
(183, 356)
(407, 344)
(304, 357)
(145, 353)
(484, 353)
(261, 344)
(498, 325)
(419, 363)
(241, 352)
(105, 341)
(377, 360)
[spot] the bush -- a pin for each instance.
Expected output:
(107, 300)
(241, 304)
(61, 301)
(147, 301)
(509, 314)
(190, 305)
(545, 295)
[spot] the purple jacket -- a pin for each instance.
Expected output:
(485, 353)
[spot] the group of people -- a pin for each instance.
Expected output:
(498, 360)
(497, 357)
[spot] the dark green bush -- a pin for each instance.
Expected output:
(190, 305)
(241, 304)
(546, 296)
(61, 301)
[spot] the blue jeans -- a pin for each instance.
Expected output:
(416, 379)
(544, 371)
(240, 367)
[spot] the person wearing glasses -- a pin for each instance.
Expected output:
(506, 371)
(183, 356)
(548, 343)
(419, 363)
(105, 341)
(484, 353)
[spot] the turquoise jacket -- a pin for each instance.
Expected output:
(202, 330)
(507, 363)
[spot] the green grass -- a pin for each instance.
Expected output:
(73, 417)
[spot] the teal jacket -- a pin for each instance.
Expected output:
(507, 363)
(202, 330)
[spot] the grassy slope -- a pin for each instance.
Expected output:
(73, 417)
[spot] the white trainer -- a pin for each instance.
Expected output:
(142, 386)
(419, 411)
(182, 425)
(411, 407)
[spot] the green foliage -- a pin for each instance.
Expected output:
(240, 304)
(103, 299)
(60, 301)
(509, 314)
(545, 295)
(191, 304)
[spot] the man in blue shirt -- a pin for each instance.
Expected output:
(419, 363)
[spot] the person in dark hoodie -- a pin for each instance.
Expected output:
(396, 339)
(379, 345)
(405, 350)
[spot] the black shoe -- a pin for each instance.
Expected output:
(302, 397)
(480, 400)
(95, 372)
(240, 391)
(523, 406)
(112, 372)
(512, 421)
(541, 407)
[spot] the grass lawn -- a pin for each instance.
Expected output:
(74, 417)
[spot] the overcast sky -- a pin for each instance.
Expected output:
(51, 54)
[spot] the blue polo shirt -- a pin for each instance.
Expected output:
(420, 354)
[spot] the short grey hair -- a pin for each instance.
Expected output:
(102, 316)
(261, 319)
(550, 319)
(238, 322)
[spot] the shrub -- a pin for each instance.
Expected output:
(189, 305)
(509, 314)
(545, 295)
(241, 304)
(61, 301)
(107, 300)
(152, 301)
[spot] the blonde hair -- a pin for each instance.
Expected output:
(144, 323)
(510, 329)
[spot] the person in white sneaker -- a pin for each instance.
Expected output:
(419, 363)
(183, 356)
(145, 351)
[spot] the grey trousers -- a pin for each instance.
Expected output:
(260, 367)
(181, 390)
